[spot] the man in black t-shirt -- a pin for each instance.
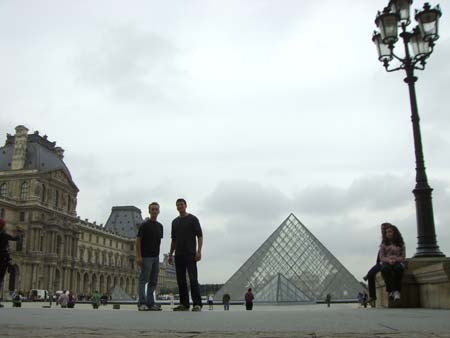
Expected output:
(148, 242)
(5, 259)
(185, 230)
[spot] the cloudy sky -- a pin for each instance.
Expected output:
(250, 110)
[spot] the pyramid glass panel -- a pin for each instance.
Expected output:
(294, 262)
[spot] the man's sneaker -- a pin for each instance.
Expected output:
(180, 308)
(196, 308)
(154, 307)
(143, 307)
(396, 295)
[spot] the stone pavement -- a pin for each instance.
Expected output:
(341, 320)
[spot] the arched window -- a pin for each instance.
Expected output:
(3, 190)
(69, 202)
(24, 189)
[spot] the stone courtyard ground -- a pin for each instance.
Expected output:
(341, 320)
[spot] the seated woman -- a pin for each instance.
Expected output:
(370, 277)
(392, 256)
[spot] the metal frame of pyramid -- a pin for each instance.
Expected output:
(295, 253)
(281, 290)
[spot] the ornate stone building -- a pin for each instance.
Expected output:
(59, 250)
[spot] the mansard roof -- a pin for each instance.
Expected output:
(42, 155)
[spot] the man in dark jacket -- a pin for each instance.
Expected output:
(5, 258)
(185, 230)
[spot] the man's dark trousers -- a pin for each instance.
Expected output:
(187, 263)
(371, 280)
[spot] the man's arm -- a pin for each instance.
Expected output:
(198, 256)
(138, 251)
(172, 249)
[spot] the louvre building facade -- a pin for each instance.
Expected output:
(60, 250)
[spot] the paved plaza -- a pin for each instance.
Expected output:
(341, 320)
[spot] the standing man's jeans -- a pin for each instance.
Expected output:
(187, 263)
(149, 274)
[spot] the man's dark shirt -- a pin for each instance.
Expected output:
(184, 232)
(4, 242)
(150, 233)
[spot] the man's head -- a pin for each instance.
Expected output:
(153, 210)
(2, 224)
(181, 205)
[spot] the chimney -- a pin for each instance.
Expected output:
(59, 152)
(20, 148)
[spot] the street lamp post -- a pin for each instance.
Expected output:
(418, 46)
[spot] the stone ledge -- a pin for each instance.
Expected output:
(425, 283)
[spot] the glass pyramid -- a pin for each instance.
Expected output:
(294, 262)
(281, 290)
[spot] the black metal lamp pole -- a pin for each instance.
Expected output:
(418, 46)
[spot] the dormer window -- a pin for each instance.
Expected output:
(44, 193)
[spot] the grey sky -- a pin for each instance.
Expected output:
(248, 109)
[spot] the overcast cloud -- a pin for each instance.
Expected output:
(250, 110)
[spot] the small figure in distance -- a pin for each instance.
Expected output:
(328, 299)
(226, 301)
(392, 256)
(249, 299)
(211, 302)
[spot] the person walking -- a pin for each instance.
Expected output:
(211, 302)
(5, 258)
(72, 300)
(249, 300)
(392, 256)
(226, 301)
(328, 299)
(148, 244)
(370, 277)
(185, 230)
(63, 299)
(95, 300)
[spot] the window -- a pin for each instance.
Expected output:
(69, 202)
(24, 189)
(90, 237)
(3, 190)
(110, 242)
(96, 239)
(19, 243)
(104, 240)
(44, 193)
(2, 213)
(22, 216)
(56, 198)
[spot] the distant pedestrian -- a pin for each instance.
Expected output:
(328, 299)
(72, 299)
(211, 302)
(360, 299)
(226, 301)
(148, 242)
(95, 300)
(392, 256)
(249, 299)
(172, 300)
(365, 299)
(185, 230)
(5, 258)
(63, 299)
